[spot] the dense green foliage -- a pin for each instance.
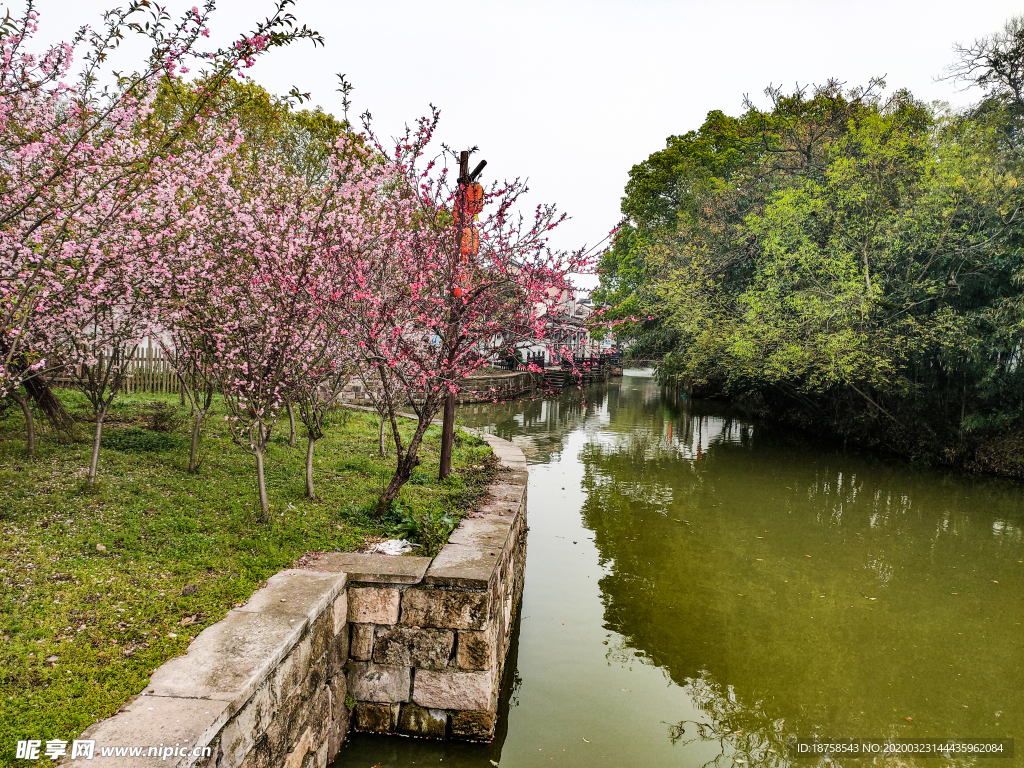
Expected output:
(300, 139)
(842, 260)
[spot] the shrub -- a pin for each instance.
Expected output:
(135, 440)
(430, 528)
(162, 417)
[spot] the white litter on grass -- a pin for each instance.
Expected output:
(393, 547)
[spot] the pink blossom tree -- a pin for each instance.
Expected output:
(76, 155)
(317, 375)
(189, 200)
(262, 274)
(243, 287)
(426, 312)
(96, 330)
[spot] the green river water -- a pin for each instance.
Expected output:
(697, 591)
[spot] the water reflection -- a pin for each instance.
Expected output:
(837, 592)
(699, 590)
(743, 734)
(539, 426)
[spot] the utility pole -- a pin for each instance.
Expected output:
(448, 422)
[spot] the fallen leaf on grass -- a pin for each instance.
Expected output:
(587, 740)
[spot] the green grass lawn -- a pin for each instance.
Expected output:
(98, 587)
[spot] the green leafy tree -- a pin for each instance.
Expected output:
(844, 261)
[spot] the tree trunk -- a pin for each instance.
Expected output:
(51, 407)
(39, 391)
(310, 492)
(380, 435)
(291, 425)
(193, 451)
(407, 462)
(447, 436)
(30, 424)
(94, 464)
(261, 482)
(402, 474)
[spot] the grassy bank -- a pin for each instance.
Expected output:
(98, 587)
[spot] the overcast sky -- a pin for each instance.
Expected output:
(572, 93)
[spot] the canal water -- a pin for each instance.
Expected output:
(698, 590)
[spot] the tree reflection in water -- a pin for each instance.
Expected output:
(745, 734)
(844, 595)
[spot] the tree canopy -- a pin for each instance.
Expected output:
(844, 259)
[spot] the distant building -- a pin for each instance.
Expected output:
(567, 332)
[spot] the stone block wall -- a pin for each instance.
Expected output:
(481, 388)
(429, 638)
(264, 687)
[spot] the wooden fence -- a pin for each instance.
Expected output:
(150, 371)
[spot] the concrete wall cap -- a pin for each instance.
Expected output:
(504, 448)
(153, 720)
(464, 565)
(372, 568)
(488, 530)
(230, 659)
(297, 592)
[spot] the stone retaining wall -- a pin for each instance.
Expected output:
(481, 388)
(429, 637)
(419, 644)
(265, 686)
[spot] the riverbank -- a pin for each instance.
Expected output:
(994, 452)
(995, 449)
(99, 587)
(485, 386)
